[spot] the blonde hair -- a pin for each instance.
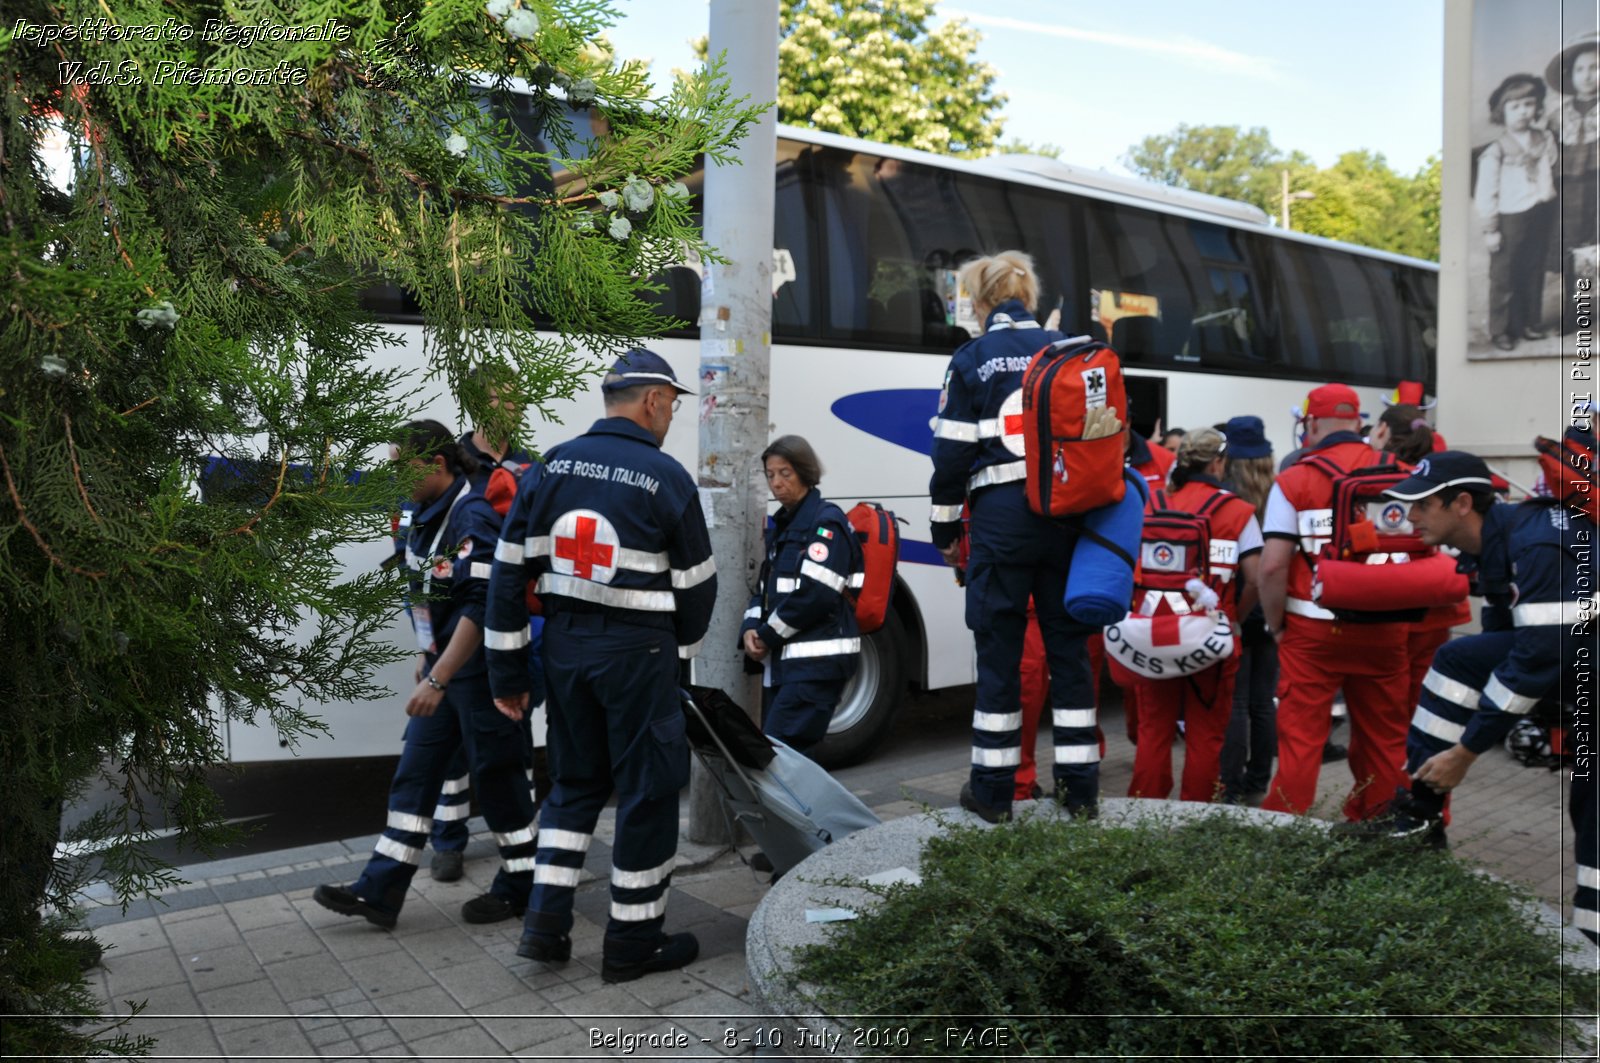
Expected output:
(993, 279)
(1196, 450)
(1251, 479)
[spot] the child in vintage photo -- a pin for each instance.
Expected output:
(1575, 74)
(1516, 199)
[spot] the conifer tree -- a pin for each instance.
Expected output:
(193, 196)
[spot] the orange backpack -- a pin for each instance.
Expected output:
(1067, 473)
(1569, 472)
(878, 532)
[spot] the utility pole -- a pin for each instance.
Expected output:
(736, 364)
(1283, 201)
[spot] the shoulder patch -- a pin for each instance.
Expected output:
(818, 552)
(826, 533)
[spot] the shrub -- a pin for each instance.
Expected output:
(1216, 937)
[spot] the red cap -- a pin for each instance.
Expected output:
(1332, 400)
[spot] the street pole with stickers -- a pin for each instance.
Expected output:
(735, 366)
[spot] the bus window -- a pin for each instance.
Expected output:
(1052, 236)
(1412, 352)
(1226, 331)
(1339, 322)
(1142, 299)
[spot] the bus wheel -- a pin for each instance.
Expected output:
(870, 699)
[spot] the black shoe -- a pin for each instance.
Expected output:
(1399, 821)
(987, 813)
(670, 953)
(1506, 343)
(1333, 752)
(446, 866)
(1534, 332)
(762, 862)
(342, 900)
(491, 908)
(545, 948)
(1246, 796)
(1073, 807)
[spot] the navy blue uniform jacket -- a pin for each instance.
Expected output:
(1536, 576)
(452, 577)
(607, 524)
(801, 612)
(977, 440)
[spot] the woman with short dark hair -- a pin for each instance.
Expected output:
(450, 546)
(801, 624)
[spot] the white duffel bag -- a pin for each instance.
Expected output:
(1140, 643)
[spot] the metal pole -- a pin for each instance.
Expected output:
(735, 364)
(1283, 201)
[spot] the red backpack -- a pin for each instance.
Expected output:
(1375, 568)
(878, 532)
(500, 492)
(1173, 632)
(1175, 546)
(1569, 472)
(1067, 473)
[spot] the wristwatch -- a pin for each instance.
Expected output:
(434, 683)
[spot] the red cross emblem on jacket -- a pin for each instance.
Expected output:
(584, 544)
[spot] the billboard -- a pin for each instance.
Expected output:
(1534, 130)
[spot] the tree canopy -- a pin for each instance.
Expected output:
(873, 69)
(1359, 199)
(194, 407)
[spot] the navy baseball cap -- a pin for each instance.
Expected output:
(1247, 437)
(1447, 468)
(639, 366)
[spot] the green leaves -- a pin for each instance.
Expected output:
(1358, 199)
(195, 410)
(873, 69)
(1215, 937)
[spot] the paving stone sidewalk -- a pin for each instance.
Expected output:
(240, 963)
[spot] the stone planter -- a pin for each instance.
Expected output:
(779, 924)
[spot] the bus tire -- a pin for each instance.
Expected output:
(870, 700)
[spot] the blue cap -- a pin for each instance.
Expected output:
(1247, 438)
(639, 366)
(1447, 468)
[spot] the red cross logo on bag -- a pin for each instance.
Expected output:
(584, 544)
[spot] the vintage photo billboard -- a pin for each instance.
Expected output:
(1535, 133)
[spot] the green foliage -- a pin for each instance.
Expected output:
(1241, 164)
(873, 69)
(1359, 199)
(1022, 147)
(1214, 938)
(192, 291)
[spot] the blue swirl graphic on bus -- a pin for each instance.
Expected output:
(902, 416)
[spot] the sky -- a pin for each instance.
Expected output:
(1095, 78)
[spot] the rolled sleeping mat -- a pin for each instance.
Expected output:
(1424, 583)
(1100, 579)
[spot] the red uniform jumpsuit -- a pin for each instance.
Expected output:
(1318, 654)
(1204, 700)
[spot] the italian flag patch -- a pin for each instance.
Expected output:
(825, 533)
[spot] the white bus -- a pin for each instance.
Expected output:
(1214, 313)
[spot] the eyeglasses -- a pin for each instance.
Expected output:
(677, 400)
